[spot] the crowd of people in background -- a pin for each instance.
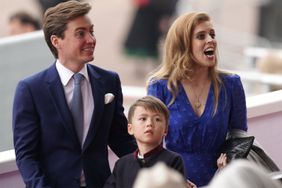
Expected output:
(170, 138)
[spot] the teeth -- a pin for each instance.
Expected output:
(209, 49)
(88, 49)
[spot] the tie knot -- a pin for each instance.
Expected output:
(77, 78)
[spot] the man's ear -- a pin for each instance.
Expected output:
(130, 129)
(55, 41)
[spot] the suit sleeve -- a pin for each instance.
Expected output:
(119, 140)
(112, 179)
(26, 135)
(178, 165)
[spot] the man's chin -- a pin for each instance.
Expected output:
(89, 59)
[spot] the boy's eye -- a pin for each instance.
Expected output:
(142, 119)
(158, 119)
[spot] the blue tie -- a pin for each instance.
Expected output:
(77, 106)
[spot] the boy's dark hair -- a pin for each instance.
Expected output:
(151, 103)
(56, 18)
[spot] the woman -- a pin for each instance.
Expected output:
(204, 103)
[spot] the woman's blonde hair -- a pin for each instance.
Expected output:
(178, 60)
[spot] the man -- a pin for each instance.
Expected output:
(50, 151)
(22, 22)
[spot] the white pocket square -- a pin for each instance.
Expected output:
(109, 97)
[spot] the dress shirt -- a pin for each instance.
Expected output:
(67, 80)
(68, 84)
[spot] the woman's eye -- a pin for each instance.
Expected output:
(201, 36)
(212, 35)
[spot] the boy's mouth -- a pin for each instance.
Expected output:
(148, 131)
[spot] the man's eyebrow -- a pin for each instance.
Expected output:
(80, 28)
(84, 28)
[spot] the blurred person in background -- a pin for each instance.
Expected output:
(204, 102)
(243, 174)
(151, 21)
(45, 4)
(160, 176)
(23, 22)
(271, 64)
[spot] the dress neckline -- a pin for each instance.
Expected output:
(188, 103)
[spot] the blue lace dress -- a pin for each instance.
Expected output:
(198, 139)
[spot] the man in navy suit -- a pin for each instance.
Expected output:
(48, 150)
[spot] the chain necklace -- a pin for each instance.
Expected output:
(198, 103)
(197, 96)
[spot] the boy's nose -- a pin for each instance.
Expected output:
(149, 122)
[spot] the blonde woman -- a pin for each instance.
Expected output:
(204, 103)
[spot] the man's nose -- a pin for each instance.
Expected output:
(91, 38)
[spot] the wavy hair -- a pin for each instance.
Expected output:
(56, 18)
(178, 60)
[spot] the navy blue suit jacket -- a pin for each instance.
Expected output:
(48, 152)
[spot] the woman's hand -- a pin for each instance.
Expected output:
(222, 161)
(191, 184)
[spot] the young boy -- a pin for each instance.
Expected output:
(148, 122)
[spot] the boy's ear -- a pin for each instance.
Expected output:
(166, 130)
(129, 129)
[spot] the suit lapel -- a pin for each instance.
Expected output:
(57, 94)
(98, 92)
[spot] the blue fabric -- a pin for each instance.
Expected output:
(198, 139)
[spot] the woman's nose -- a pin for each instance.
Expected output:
(210, 39)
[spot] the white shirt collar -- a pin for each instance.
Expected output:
(66, 74)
